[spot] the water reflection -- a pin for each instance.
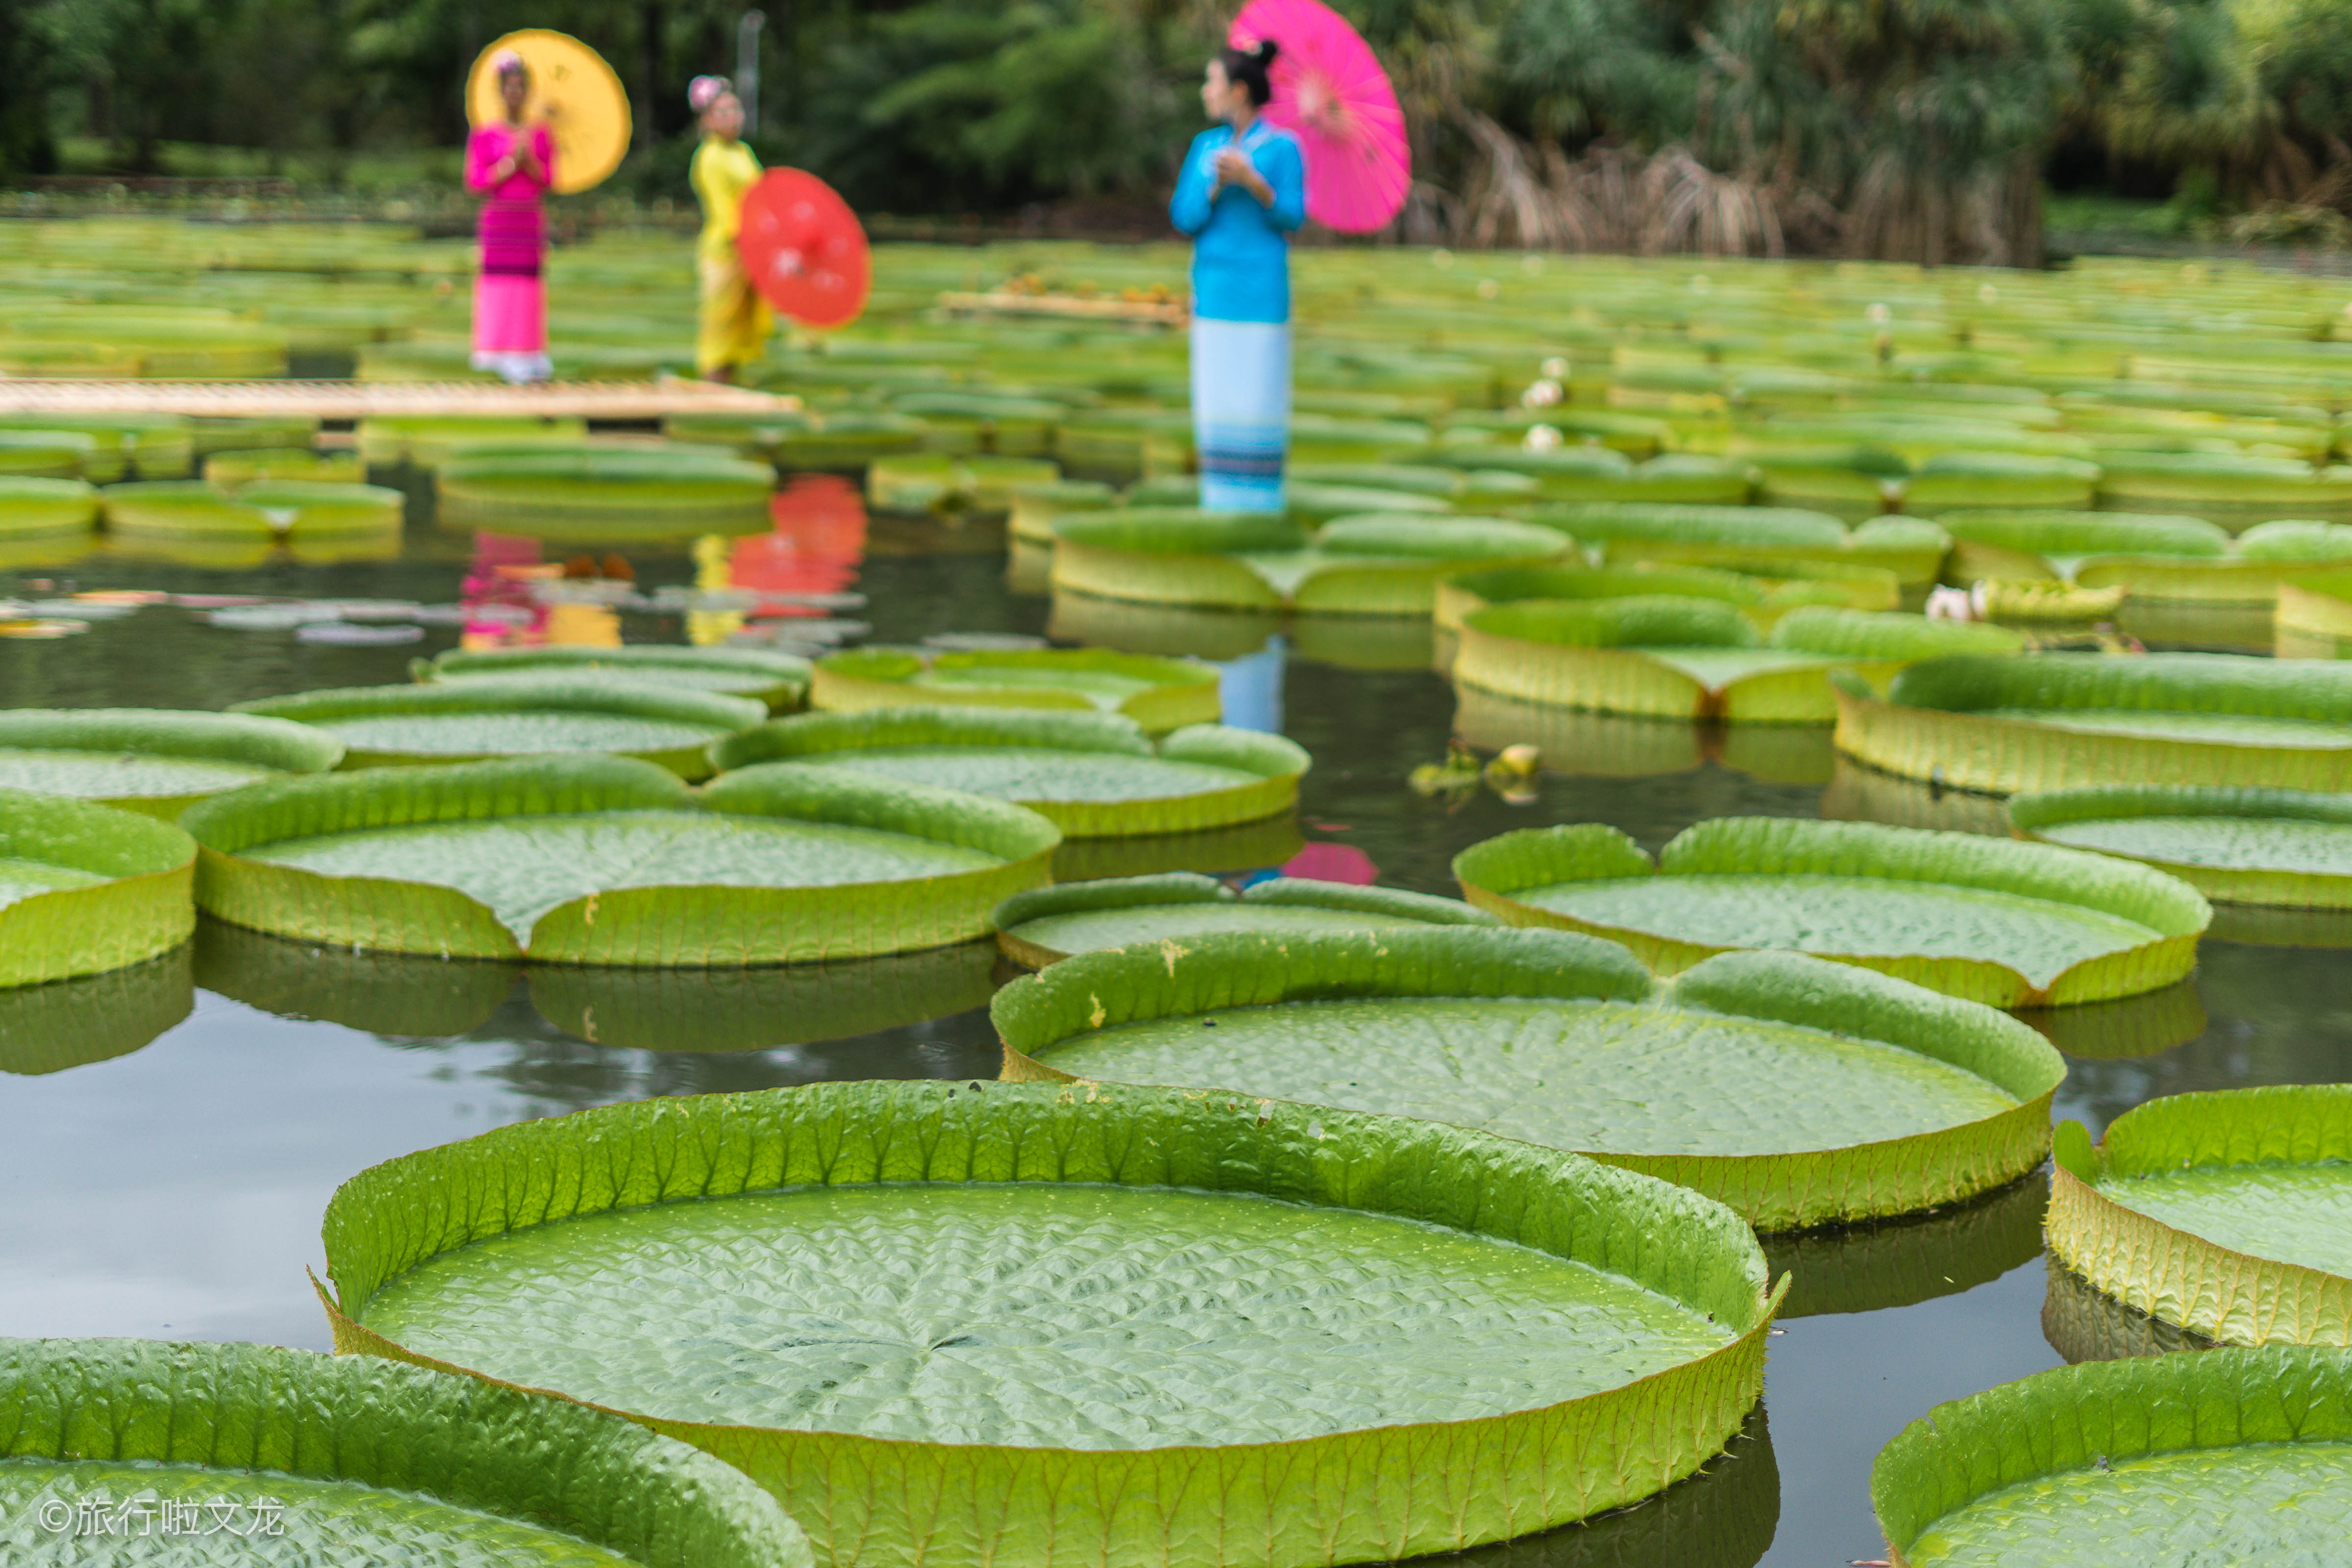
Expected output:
(1171, 630)
(1595, 745)
(72, 1023)
(1365, 642)
(2275, 1015)
(402, 997)
(2082, 1323)
(25, 552)
(1245, 846)
(1722, 1517)
(2128, 1026)
(2281, 928)
(1917, 1257)
(1778, 753)
(1859, 794)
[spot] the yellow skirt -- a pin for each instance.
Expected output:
(735, 320)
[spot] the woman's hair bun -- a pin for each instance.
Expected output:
(704, 91)
(1265, 49)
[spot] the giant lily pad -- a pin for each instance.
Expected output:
(2175, 1461)
(2312, 619)
(2151, 559)
(2227, 1213)
(937, 482)
(2277, 847)
(426, 440)
(155, 445)
(1374, 564)
(95, 1018)
(1626, 532)
(2006, 923)
(85, 888)
(155, 760)
(45, 454)
(1798, 1091)
(603, 859)
(1159, 694)
(2233, 490)
(779, 680)
(923, 1314)
(232, 471)
(1052, 923)
(32, 506)
(1777, 588)
(1666, 657)
(2010, 726)
(636, 491)
(244, 1453)
(463, 720)
(271, 510)
(1093, 775)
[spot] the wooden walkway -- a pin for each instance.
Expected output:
(361, 399)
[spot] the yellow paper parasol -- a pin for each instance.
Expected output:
(572, 90)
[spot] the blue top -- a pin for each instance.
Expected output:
(1240, 256)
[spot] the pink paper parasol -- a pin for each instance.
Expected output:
(1331, 92)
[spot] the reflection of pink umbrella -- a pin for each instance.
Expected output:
(1331, 92)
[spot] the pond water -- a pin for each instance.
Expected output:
(173, 1188)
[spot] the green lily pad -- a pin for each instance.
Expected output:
(2005, 924)
(34, 506)
(602, 859)
(939, 482)
(1630, 531)
(426, 439)
(2235, 1455)
(1371, 564)
(233, 470)
(1797, 1091)
(2227, 1213)
(95, 1018)
(242, 1453)
(154, 444)
(267, 510)
(637, 490)
(1159, 694)
(155, 761)
(1017, 1324)
(2009, 726)
(1668, 657)
(1093, 775)
(462, 720)
(1049, 925)
(779, 680)
(1765, 596)
(85, 888)
(2275, 847)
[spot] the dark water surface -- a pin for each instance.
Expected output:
(168, 1152)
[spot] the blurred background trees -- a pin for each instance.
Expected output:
(1924, 130)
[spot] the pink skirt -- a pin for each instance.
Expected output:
(509, 314)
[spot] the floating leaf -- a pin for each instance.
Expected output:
(1798, 1091)
(601, 860)
(779, 680)
(1013, 1440)
(2223, 1213)
(2277, 847)
(1049, 925)
(155, 761)
(294, 1457)
(1159, 694)
(1093, 775)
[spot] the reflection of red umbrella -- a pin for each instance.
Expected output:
(1327, 862)
(1331, 92)
(804, 248)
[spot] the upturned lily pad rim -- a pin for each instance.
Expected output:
(1181, 691)
(274, 743)
(464, 1444)
(2074, 1418)
(691, 925)
(2283, 886)
(850, 1134)
(2221, 1292)
(1494, 871)
(1774, 1192)
(1184, 887)
(142, 909)
(763, 670)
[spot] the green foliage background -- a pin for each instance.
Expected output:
(1919, 128)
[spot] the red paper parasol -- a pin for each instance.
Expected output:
(1331, 92)
(803, 249)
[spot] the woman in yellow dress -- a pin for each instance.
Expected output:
(735, 320)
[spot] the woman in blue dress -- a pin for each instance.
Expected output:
(1242, 193)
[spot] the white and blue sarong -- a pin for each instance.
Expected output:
(1241, 412)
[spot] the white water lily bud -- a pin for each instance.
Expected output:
(1542, 438)
(1556, 368)
(1545, 394)
(1531, 264)
(1489, 289)
(1701, 283)
(1441, 258)
(1987, 293)
(1880, 314)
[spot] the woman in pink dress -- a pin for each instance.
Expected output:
(512, 165)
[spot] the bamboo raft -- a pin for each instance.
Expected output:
(341, 400)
